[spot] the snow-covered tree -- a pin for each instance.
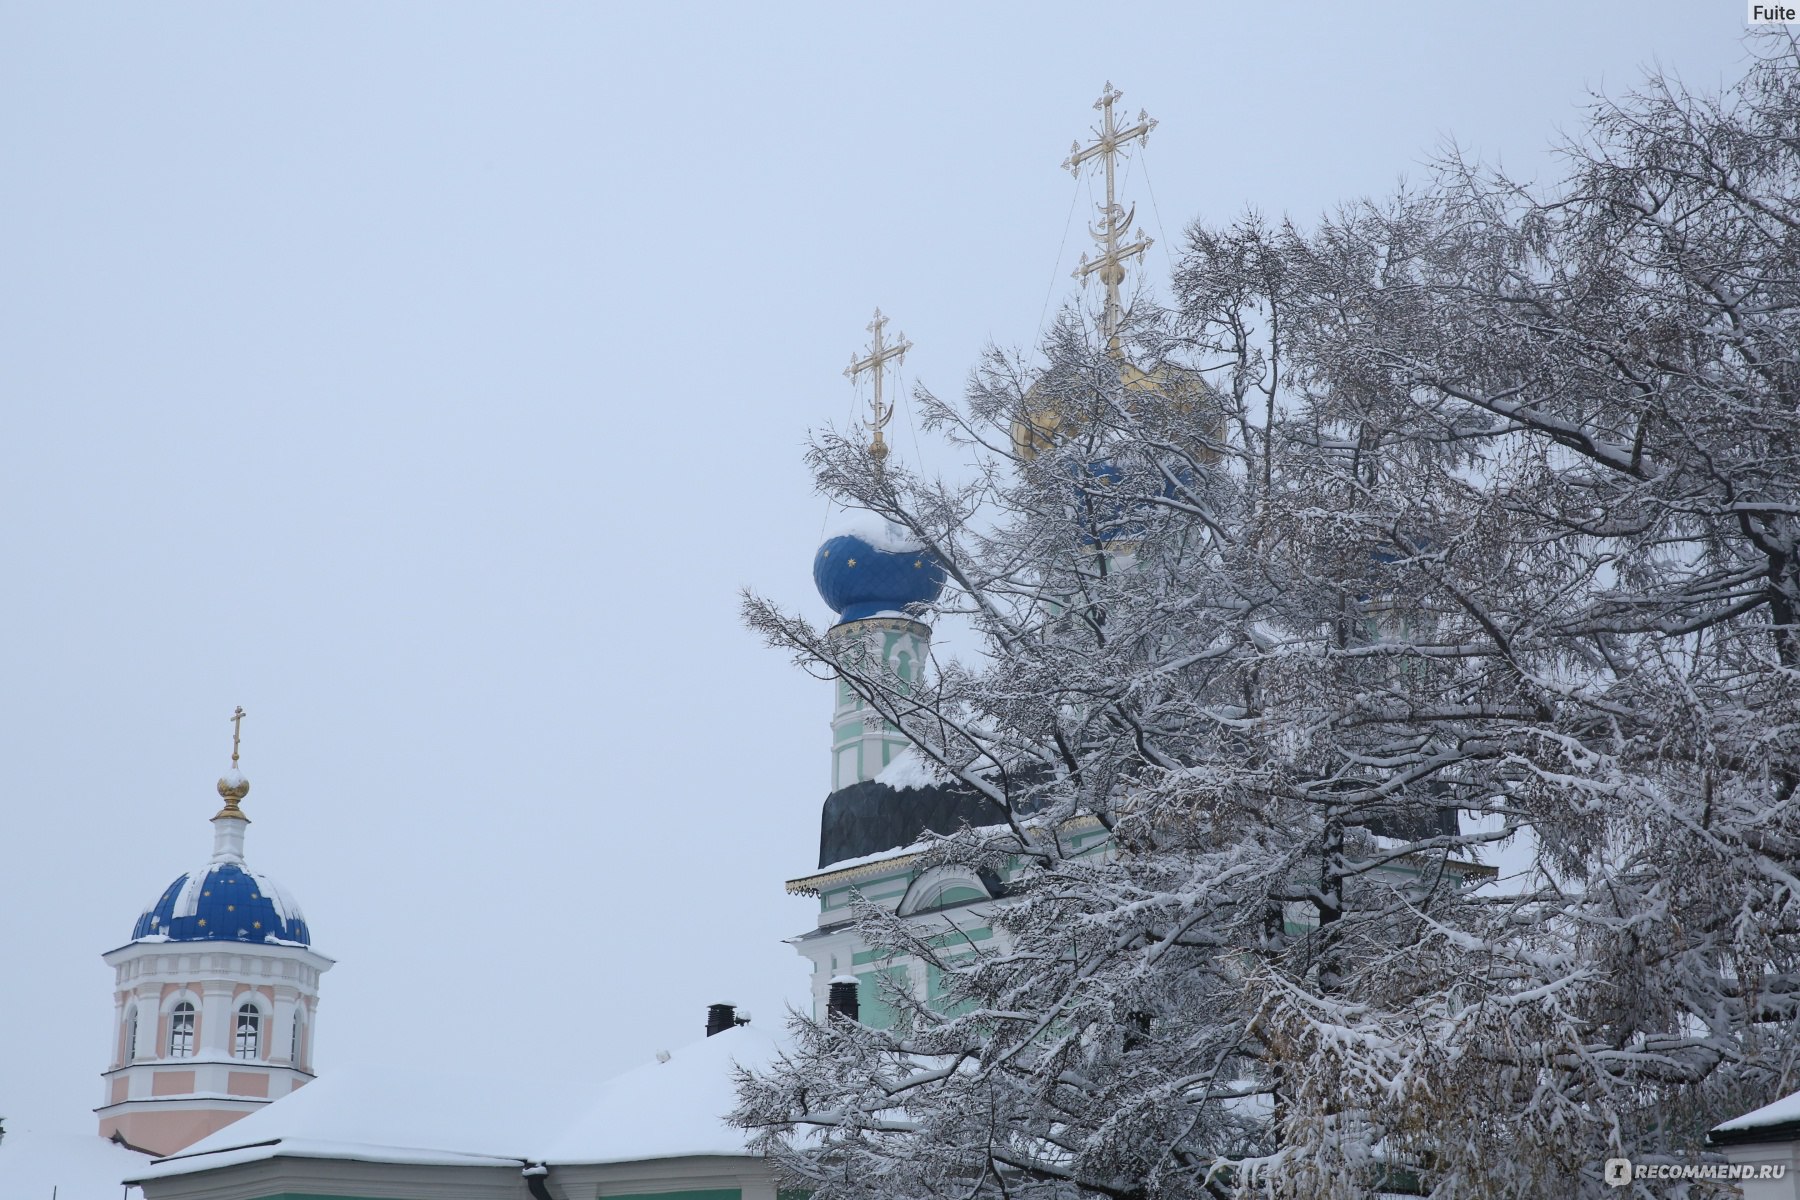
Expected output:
(1461, 529)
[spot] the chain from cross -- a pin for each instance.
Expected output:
(876, 363)
(237, 720)
(1115, 222)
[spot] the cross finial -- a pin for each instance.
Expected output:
(876, 362)
(237, 720)
(1114, 225)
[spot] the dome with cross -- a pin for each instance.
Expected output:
(225, 901)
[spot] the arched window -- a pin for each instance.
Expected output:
(181, 1031)
(131, 1020)
(247, 1042)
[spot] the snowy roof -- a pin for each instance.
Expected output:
(1785, 1111)
(386, 1113)
(502, 1117)
(911, 770)
(897, 857)
(72, 1166)
(669, 1109)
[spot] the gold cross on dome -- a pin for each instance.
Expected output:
(1115, 223)
(237, 719)
(876, 363)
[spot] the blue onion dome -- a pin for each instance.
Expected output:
(224, 902)
(873, 569)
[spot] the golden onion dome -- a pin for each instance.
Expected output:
(1041, 424)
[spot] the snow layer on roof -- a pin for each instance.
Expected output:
(394, 1113)
(880, 533)
(1778, 1113)
(910, 770)
(75, 1166)
(506, 1116)
(673, 1109)
(863, 860)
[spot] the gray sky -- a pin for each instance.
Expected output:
(427, 378)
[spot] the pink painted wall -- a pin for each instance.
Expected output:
(247, 1083)
(171, 1083)
(166, 1132)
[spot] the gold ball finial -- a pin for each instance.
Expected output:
(233, 787)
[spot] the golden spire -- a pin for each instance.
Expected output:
(1115, 223)
(233, 787)
(876, 362)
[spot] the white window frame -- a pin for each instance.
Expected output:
(183, 1041)
(239, 1048)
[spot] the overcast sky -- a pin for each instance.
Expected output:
(428, 378)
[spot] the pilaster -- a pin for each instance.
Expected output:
(215, 1017)
(280, 1037)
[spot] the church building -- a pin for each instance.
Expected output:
(215, 996)
(210, 1062)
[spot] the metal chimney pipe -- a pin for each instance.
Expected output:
(843, 999)
(720, 1017)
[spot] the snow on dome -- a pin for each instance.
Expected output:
(872, 567)
(877, 532)
(224, 902)
(909, 771)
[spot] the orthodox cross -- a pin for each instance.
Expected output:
(876, 363)
(1115, 222)
(237, 719)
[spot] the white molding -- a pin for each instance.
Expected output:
(933, 882)
(176, 997)
(251, 996)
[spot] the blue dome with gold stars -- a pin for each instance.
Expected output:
(223, 902)
(863, 573)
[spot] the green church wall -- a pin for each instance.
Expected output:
(876, 1011)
